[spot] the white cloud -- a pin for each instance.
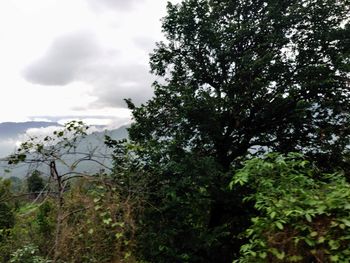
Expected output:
(112, 5)
(7, 147)
(41, 132)
(90, 60)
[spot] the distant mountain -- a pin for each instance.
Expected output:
(92, 143)
(13, 129)
(12, 132)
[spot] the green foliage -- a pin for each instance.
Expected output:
(87, 220)
(35, 183)
(6, 207)
(23, 232)
(236, 75)
(16, 184)
(304, 215)
(7, 218)
(245, 73)
(99, 225)
(43, 219)
(173, 224)
(27, 254)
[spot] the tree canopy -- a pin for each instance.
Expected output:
(242, 74)
(35, 183)
(237, 78)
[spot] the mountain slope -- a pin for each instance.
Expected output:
(91, 144)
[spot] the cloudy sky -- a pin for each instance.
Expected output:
(65, 59)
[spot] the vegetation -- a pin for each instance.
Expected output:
(35, 182)
(239, 78)
(6, 207)
(242, 154)
(304, 215)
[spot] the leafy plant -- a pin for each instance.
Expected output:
(27, 254)
(303, 214)
(7, 218)
(35, 183)
(99, 225)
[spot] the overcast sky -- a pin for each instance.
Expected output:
(63, 59)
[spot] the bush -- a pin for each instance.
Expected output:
(35, 182)
(7, 219)
(27, 254)
(304, 215)
(98, 225)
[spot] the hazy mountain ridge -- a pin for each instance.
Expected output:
(13, 129)
(92, 143)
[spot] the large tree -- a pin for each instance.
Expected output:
(243, 76)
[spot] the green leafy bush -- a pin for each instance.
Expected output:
(27, 254)
(98, 225)
(6, 207)
(35, 183)
(304, 215)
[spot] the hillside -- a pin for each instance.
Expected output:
(92, 143)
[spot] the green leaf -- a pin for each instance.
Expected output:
(334, 258)
(310, 242)
(119, 235)
(321, 240)
(273, 215)
(279, 225)
(107, 221)
(313, 234)
(333, 244)
(345, 221)
(308, 218)
(263, 255)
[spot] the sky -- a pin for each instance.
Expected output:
(76, 59)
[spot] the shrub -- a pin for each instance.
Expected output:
(35, 182)
(303, 215)
(98, 225)
(27, 254)
(7, 219)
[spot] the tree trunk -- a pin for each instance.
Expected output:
(60, 203)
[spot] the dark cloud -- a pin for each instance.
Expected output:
(112, 5)
(63, 60)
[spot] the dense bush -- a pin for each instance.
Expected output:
(35, 183)
(7, 218)
(98, 226)
(27, 254)
(304, 215)
(6, 206)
